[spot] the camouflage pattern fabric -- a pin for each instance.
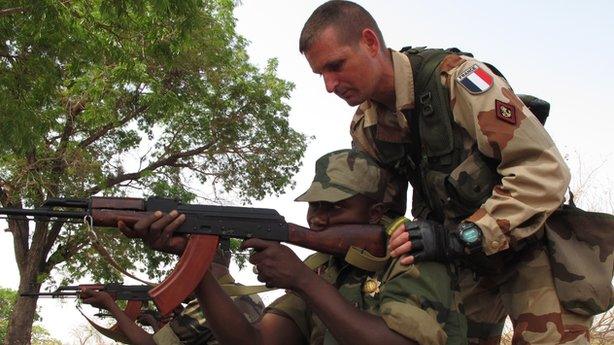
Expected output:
(532, 180)
(415, 301)
(527, 293)
(344, 173)
(190, 327)
(534, 174)
(581, 247)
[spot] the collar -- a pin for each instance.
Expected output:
(392, 126)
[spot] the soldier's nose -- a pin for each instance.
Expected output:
(330, 82)
(318, 221)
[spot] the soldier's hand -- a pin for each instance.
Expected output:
(98, 299)
(423, 240)
(146, 319)
(157, 230)
(276, 264)
(400, 244)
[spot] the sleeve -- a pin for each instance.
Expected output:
(294, 308)
(189, 327)
(534, 176)
(415, 301)
(251, 306)
(166, 336)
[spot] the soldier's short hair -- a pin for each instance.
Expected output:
(349, 18)
(344, 173)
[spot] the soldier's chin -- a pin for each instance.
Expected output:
(353, 101)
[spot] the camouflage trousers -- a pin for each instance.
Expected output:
(526, 293)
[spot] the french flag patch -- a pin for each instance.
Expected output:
(475, 79)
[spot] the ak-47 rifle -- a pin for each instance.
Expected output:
(137, 298)
(119, 292)
(205, 224)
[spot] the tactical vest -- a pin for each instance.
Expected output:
(450, 182)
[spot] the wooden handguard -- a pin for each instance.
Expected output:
(188, 272)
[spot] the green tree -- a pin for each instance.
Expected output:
(119, 97)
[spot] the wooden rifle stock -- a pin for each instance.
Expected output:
(338, 239)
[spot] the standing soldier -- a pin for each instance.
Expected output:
(485, 174)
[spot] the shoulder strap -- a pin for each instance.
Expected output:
(432, 103)
(316, 260)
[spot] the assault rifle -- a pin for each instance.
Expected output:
(205, 224)
(136, 295)
(117, 291)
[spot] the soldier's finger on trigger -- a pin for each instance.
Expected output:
(255, 257)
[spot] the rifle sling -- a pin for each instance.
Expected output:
(238, 290)
(362, 259)
(100, 248)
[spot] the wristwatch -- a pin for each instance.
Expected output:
(471, 236)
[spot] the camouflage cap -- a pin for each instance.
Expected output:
(344, 173)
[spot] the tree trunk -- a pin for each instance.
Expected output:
(20, 326)
(29, 261)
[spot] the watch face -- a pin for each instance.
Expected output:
(470, 234)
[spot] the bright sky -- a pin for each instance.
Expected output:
(556, 50)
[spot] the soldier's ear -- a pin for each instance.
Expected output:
(376, 212)
(369, 39)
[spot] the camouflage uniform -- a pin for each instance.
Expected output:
(415, 301)
(190, 327)
(493, 137)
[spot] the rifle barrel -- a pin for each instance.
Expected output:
(50, 294)
(42, 213)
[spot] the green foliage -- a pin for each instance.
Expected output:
(134, 97)
(8, 298)
(40, 336)
(7, 302)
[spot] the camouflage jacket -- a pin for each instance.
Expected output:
(415, 301)
(190, 327)
(491, 129)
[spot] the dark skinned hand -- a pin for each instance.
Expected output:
(277, 265)
(98, 299)
(146, 319)
(156, 230)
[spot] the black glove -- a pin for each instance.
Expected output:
(431, 242)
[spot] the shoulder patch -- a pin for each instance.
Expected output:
(505, 112)
(475, 79)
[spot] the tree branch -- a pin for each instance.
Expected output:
(65, 252)
(9, 11)
(53, 234)
(168, 161)
(105, 129)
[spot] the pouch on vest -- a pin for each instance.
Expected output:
(580, 248)
(470, 184)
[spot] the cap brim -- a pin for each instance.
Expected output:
(317, 192)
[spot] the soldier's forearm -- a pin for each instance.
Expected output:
(220, 312)
(135, 333)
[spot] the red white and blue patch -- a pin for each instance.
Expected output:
(475, 79)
